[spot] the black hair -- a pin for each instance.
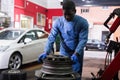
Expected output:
(68, 5)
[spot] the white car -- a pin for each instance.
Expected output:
(20, 46)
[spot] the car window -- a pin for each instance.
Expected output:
(31, 35)
(10, 34)
(89, 41)
(41, 34)
(96, 41)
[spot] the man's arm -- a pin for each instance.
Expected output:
(51, 38)
(83, 37)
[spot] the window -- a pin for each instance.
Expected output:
(31, 35)
(41, 19)
(26, 21)
(41, 34)
(86, 10)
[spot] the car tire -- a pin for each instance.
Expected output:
(15, 61)
(102, 49)
(36, 78)
(86, 48)
(14, 75)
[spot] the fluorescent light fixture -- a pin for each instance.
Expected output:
(60, 0)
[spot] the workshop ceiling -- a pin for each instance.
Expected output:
(97, 2)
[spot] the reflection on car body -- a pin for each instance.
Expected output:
(95, 44)
(20, 46)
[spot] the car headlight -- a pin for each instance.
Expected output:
(98, 45)
(3, 48)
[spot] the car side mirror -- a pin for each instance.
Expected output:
(27, 40)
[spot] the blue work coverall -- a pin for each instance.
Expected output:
(74, 33)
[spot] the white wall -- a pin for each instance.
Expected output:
(40, 2)
(8, 7)
(53, 4)
(96, 31)
(50, 4)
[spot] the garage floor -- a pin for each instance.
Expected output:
(90, 65)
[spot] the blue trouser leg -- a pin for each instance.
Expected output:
(81, 65)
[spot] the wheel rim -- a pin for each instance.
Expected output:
(15, 62)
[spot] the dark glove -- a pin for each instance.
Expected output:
(76, 63)
(42, 57)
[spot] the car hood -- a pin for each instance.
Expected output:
(5, 42)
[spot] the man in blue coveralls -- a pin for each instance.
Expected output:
(73, 31)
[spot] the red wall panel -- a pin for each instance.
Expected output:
(19, 2)
(30, 9)
(50, 14)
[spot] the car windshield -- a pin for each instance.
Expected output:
(10, 34)
(93, 41)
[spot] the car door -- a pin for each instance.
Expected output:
(42, 38)
(30, 48)
(34, 46)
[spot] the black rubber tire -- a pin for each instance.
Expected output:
(14, 75)
(36, 78)
(86, 48)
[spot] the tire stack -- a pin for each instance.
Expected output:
(56, 67)
(14, 75)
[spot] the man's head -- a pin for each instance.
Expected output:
(69, 9)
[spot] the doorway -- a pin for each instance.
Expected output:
(104, 35)
(26, 21)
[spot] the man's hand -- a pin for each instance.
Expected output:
(42, 57)
(76, 63)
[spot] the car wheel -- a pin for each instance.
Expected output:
(15, 61)
(86, 48)
(102, 49)
(14, 75)
(36, 78)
